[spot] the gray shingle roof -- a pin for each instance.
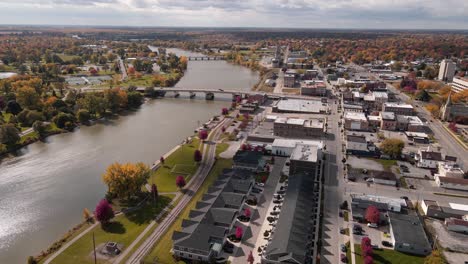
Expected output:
(408, 229)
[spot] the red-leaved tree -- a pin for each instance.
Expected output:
(180, 181)
(239, 232)
(366, 246)
(247, 213)
(250, 258)
(154, 191)
(197, 156)
(372, 214)
(224, 111)
(453, 127)
(162, 160)
(368, 260)
(203, 134)
(103, 212)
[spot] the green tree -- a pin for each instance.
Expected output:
(83, 116)
(94, 103)
(64, 120)
(40, 128)
(27, 97)
(423, 95)
(392, 147)
(9, 134)
(135, 99)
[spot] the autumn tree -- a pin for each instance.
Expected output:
(180, 181)
(115, 99)
(9, 134)
(433, 109)
(104, 212)
(224, 111)
(83, 116)
(125, 180)
(94, 103)
(203, 134)
(250, 258)
(372, 214)
(392, 147)
(27, 97)
(197, 156)
(134, 99)
(86, 215)
(453, 127)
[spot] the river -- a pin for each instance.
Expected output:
(44, 189)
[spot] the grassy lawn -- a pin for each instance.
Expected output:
(6, 117)
(387, 164)
(66, 57)
(182, 158)
(346, 216)
(403, 183)
(123, 229)
(33, 135)
(164, 245)
(387, 256)
(220, 148)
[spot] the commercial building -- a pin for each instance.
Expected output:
(428, 159)
(305, 158)
(353, 108)
(451, 183)
(300, 106)
(289, 80)
(447, 70)
(388, 121)
(310, 74)
(410, 123)
(399, 109)
(313, 88)
(450, 169)
(359, 204)
(355, 121)
(374, 122)
(459, 84)
(457, 225)
(408, 235)
(358, 145)
(203, 235)
(442, 210)
(299, 128)
(285, 147)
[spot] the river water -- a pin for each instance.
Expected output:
(44, 189)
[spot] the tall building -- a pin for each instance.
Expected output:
(459, 84)
(446, 70)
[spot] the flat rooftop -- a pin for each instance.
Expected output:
(302, 106)
(305, 152)
(398, 105)
(291, 143)
(355, 116)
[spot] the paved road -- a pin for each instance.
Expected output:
(333, 192)
(449, 145)
(123, 70)
(194, 185)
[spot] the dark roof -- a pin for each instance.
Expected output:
(450, 158)
(357, 139)
(220, 215)
(431, 155)
(408, 229)
(384, 175)
(454, 221)
(294, 229)
(202, 238)
(248, 157)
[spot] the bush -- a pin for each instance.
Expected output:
(62, 118)
(83, 116)
(31, 260)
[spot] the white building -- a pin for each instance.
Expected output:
(285, 147)
(459, 84)
(428, 159)
(446, 70)
(449, 169)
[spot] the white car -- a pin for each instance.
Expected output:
(260, 184)
(372, 225)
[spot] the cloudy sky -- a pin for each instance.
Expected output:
(417, 14)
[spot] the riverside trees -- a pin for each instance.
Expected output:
(125, 180)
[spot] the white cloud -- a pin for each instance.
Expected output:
(244, 13)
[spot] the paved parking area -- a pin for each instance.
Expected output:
(449, 239)
(364, 163)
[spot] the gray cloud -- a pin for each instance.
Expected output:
(254, 13)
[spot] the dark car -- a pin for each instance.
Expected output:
(387, 244)
(343, 258)
(412, 187)
(404, 197)
(343, 248)
(277, 201)
(342, 231)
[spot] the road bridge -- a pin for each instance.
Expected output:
(211, 92)
(205, 58)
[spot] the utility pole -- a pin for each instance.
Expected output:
(94, 247)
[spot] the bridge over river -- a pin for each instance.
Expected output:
(210, 93)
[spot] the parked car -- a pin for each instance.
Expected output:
(342, 231)
(375, 246)
(341, 214)
(373, 225)
(343, 258)
(387, 244)
(260, 184)
(277, 201)
(404, 197)
(275, 213)
(412, 187)
(343, 248)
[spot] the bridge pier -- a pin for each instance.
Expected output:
(209, 96)
(176, 94)
(192, 95)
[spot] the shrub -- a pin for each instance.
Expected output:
(180, 181)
